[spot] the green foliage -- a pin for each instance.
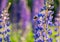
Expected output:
(14, 37)
(30, 37)
(29, 3)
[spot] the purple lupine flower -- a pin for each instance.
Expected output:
(3, 23)
(39, 28)
(43, 34)
(50, 40)
(50, 17)
(57, 23)
(48, 21)
(37, 5)
(49, 32)
(56, 29)
(40, 41)
(57, 20)
(3, 4)
(25, 17)
(25, 13)
(14, 12)
(0, 39)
